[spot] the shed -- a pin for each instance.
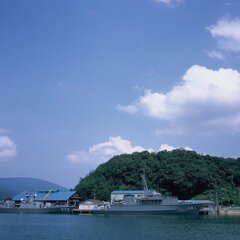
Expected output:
(46, 196)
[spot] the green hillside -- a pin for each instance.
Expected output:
(180, 173)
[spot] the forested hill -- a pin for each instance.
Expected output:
(180, 173)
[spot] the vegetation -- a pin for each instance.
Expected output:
(180, 173)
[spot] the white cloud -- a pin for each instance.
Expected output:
(7, 148)
(166, 147)
(169, 2)
(205, 98)
(115, 145)
(227, 34)
(169, 132)
(215, 54)
(102, 152)
(129, 109)
(78, 156)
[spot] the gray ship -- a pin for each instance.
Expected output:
(39, 202)
(150, 203)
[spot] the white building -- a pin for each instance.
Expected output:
(89, 205)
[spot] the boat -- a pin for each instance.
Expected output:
(33, 207)
(150, 203)
(39, 202)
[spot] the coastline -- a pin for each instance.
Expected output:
(226, 211)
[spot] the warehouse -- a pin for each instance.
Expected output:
(48, 196)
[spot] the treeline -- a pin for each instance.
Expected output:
(180, 173)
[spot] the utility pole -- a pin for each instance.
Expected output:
(239, 196)
(217, 203)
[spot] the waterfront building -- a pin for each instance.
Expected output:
(48, 197)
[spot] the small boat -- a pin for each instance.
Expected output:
(151, 203)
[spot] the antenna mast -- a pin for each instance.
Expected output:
(144, 181)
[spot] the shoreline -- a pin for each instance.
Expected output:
(227, 211)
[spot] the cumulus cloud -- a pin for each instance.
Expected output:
(102, 152)
(227, 34)
(166, 147)
(7, 148)
(205, 99)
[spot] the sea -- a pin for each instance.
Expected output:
(98, 227)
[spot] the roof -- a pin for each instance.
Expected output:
(58, 196)
(46, 195)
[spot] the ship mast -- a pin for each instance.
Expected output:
(144, 181)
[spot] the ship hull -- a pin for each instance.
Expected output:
(186, 209)
(64, 210)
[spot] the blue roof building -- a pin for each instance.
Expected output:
(45, 196)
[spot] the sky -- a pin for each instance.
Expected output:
(84, 80)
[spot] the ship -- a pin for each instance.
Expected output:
(150, 202)
(40, 202)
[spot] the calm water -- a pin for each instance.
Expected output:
(71, 227)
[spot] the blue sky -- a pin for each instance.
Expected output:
(84, 80)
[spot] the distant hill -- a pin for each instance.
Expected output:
(9, 187)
